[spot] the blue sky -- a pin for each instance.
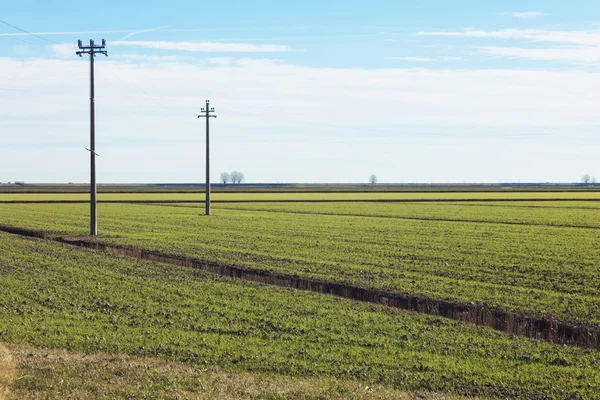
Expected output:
(330, 91)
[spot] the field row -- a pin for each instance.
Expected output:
(557, 214)
(542, 270)
(357, 196)
(53, 295)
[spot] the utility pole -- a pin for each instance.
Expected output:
(92, 50)
(208, 116)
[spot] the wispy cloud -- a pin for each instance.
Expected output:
(63, 50)
(143, 31)
(575, 55)
(576, 47)
(215, 47)
(144, 57)
(585, 38)
(64, 33)
(525, 15)
(425, 59)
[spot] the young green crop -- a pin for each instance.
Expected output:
(353, 196)
(548, 271)
(564, 214)
(59, 296)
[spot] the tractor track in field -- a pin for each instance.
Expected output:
(425, 219)
(520, 324)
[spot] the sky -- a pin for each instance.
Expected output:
(311, 91)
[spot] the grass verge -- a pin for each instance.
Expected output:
(54, 373)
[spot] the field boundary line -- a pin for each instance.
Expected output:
(516, 323)
(200, 201)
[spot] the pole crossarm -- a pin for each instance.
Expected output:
(92, 48)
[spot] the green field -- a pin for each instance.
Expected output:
(354, 196)
(534, 257)
(565, 214)
(57, 296)
(546, 264)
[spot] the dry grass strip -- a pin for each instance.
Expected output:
(7, 372)
(46, 374)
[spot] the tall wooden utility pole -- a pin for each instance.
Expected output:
(92, 50)
(208, 116)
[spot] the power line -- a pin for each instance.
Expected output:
(32, 34)
(120, 89)
(136, 85)
(22, 40)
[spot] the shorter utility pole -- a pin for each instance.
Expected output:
(92, 50)
(208, 116)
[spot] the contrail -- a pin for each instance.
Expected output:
(64, 33)
(142, 31)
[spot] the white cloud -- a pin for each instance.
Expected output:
(526, 15)
(146, 57)
(577, 55)
(279, 121)
(584, 45)
(585, 38)
(413, 59)
(64, 50)
(425, 59)
(206, 46)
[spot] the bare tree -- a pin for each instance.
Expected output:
(373, 179)
(585, 179)
(593, 180)
(225, 177)
(236, 177)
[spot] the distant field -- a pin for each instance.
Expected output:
(297, 188)
(541, 261)
(59, 296)
(357, 196)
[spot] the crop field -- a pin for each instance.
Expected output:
(566, 214)
(58, 296)
(354, 196)
(538, 258)
(546, 264)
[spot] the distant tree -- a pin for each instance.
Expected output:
(225, 177)
(373, 179)
(236, 177)
(585, 179)
(593, 180)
